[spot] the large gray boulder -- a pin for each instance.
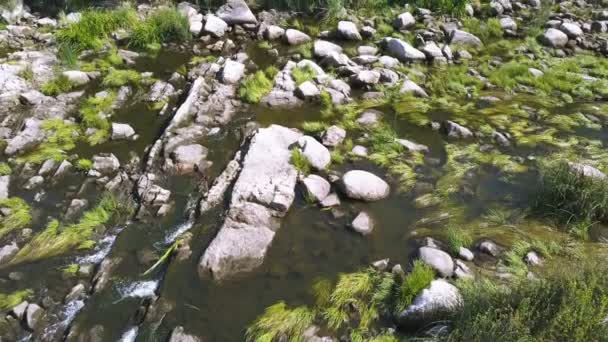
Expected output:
(215, 26)
(232, 72)
(295, 37)
(459, 37)
(30, 136)
(236, 12)
(348, 30)
(262, 193)
(572, 30)
(323, 48)
(404, 21)
(317, 155)
(363, 185)
(439, 260)
(554, 38)
(438, 299)
(317, 187)
(403, 51)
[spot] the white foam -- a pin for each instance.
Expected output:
(139, 289)
(181, 228)
(129, 335)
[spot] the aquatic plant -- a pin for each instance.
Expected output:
(457, 238)
(118, 78)
(565, 306)
(163, 26)
(5, 169)
(59, 85)
(514, 258)
(280, 322)
(19, 215)
(256, 86)
(61, 137)
(107, 61)
(314, 127)
(57, 240)
(174, 246)
(300, 162)
(93, 114)
(303, 74)
(84, 164)
(414, 282)
(568, 196)
(264, 45)
(9, 301)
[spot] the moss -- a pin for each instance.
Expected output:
(279, 321)
(61, 137)
(84, 164)
(118, 78)
(299, 161)
(59, 85)
(196, 60)
(163, 26)
(256, 86)
(57, 240)
(303, 74)
(5, 169)
(108, 61)
(19, 216)
(9, 301)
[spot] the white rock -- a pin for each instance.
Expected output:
(404, 51)
(318, 155)
(572, 30)
(122, 131)
(215, 26)
(363, 223)
(439, 298)
(363, 185)
(410, 87)
(308, 90)
(317, 187)
(295, 37)
(333, 136)
(236, 12)
(77, 77)
(404, 21)
(348, 30)
(439, 260)
(460, 37)
(232, 72)
(323, 48)
(554, 38)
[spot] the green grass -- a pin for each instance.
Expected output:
(163, 26)
(118, 78)
(264, 45)
(61, 137)
(303, 74)
(514, 258)
(20, 215)
(59, 85)
(457, 238)
(314, 127)
(9, 301)
(90, 117)
(299, 161)
(455, 8)
(256, 86)
(414, 282)
(27, 73)
(568, 197)
(5, 169)
(278, 321)
(566, 306)
(93, 30)
(487, 31)
(84, 164)
(305, 50)
(57, 239)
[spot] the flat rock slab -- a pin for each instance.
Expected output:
(262, 193)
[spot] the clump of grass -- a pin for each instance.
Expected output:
(27, 73)
(299, 161)
(59, 85)
(457, 238)
(57, 240)
(5, 169)
(106, 62)
(303, 74)
(93, 115)
(515, 256)
(9, 301)
(455, 8)
(163, 26)
(264, 45)
(314, 127)
(18, 218)
(305, 50)
(256, 86)
(84, 164)
(280, 322)
(93, 30)
(566, 306)
(118, 78)
(414, 282)
(486, 31)
(61, 137)
(70, 270)
(569, 196)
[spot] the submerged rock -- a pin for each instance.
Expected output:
(262, 193)
(363, 223)
(121, 131)
(363, 185)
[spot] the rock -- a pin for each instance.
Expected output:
(178, 335)
(308, 90)
(412, 146)
(33, 314)
(232, 72)
(77, 206)
(33, 182)
(572, 30)
(535, 72)
(215, 26)
(462, 271)
(404, 21)
(368, 31)
(12, 11)
(456, 131)
(32, 97)
(462, 54)
(586, 170)
(439, 260)
(105, 163)
(431, 50)
(333, 136)
(19, 310)
(363, 185)
(388, 76)
(332, 200)
(5, 182)
(73, 17)
(236, 12)
(460, 37)
(274, 32)
(263, 192)
(295, 37)
(77, 292)
(466, 254)
(388, 61)
(365, 50)
(501, 139)
(403, 51)
(409, 87)
(554, 38)
(7, 252)
(507, 23)
(30, 136)
(348, 30)
(366, 78)
(77, 77)
(488, 247)
(533, 259)
(322, 48)
(62, 169)
(189, 158)
(317, 187)
(363, 223)
(381, 265)
(439, 298)
(318, 155)
(369, 118)
(335, 59)
(121, 131)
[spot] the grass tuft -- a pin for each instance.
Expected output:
(61, 137)
(279, 322)
(118, 78)
(18, 218)
(303, 74)
(256, 86)
(164, 26)
(9, 301)
(299, 161)
(59, 85)
(414, 282)
(457, 238)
